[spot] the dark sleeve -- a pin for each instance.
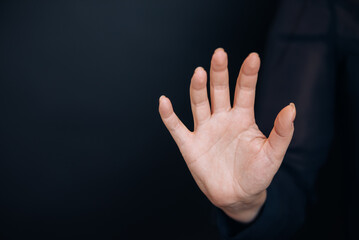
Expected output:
(299, 67)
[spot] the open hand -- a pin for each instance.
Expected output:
(230, 159)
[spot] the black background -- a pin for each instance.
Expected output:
(83, 150)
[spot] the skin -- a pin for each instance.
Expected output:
(230, 159)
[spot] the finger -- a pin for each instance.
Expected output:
(177, 129)
(219, 82)
(246, 84)
(199, 98)
(281, 134)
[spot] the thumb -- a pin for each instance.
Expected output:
(281, 134)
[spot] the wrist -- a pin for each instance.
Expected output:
(246, 211)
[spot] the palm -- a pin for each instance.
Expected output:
(228, 156)
(222, 158)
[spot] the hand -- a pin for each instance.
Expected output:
(230, 159)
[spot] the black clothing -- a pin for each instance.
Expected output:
(312, 59)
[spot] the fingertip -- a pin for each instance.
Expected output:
(283, 122)
(251, 64)
(165, 106)
(254, 55)
(161, 98)
(219, 60)
(199, 79)
(198, 69)
(254, 60)
(286, 116)
(219, 50)
(219, 53)
(200, 72)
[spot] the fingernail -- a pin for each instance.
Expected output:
(293, 105)
(162, 96)
(197, 69)
(293, 110)
(219, 49)
(254, 53)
